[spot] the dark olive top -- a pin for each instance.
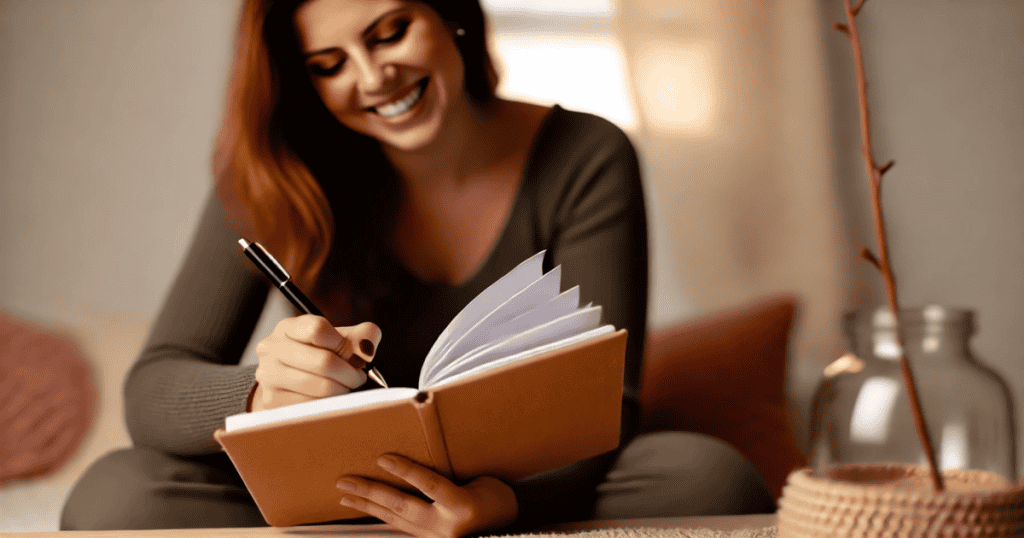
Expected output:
(580, 198)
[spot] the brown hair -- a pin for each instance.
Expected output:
(288, 171)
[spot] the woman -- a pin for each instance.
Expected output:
(362, 143)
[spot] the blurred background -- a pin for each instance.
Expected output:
(743, 112)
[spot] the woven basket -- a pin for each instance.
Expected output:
(899, 500)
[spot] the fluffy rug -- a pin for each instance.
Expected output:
(651, 532)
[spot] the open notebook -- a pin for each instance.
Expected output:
(521, 381)
(531, 318)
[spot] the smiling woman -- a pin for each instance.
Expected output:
(398, 80)
(362, 143)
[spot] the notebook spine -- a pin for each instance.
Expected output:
(432, 433)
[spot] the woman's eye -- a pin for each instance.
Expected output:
(322, 71)
(397, 34)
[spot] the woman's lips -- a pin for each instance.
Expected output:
(399, 106)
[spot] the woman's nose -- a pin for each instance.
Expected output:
(375, 76)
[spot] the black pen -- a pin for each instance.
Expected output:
(283, 281)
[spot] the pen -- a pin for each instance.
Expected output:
(283, 282)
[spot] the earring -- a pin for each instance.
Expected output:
(460, 32)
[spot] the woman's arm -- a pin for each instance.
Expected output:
(187, 377)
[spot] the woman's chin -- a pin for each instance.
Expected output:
(410, 140)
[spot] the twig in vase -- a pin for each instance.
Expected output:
(881, 262)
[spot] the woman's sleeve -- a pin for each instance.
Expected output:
(599, 237)
(187, 377)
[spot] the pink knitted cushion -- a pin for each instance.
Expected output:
(47, 400)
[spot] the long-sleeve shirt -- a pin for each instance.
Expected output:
(580, 198)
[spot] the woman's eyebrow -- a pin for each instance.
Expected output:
(366, 31)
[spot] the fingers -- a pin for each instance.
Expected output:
(484, 503)
(356, 344)
(364, 337)
(320, 381)
(306, 358)
(315, 331)
(397, 508)
(279, 357)
(270, 398)
(383, 514)
(432, 484)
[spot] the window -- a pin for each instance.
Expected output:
(567, 53)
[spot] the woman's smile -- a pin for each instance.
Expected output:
(387, 69)
(399, 107)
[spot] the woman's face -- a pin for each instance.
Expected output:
(388, 69)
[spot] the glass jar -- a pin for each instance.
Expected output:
(861, 413)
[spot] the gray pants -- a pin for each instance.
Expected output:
(666, 474)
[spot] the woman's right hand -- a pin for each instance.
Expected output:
(305, 358)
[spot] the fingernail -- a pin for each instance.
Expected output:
(348, 501)
(367, 347)
(346, 485)
(387, 462)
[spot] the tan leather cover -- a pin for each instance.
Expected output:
(537, 415)
(511, 422)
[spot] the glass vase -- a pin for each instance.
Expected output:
(861, 413)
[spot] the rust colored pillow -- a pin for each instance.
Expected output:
(724, 375)
(47, 400)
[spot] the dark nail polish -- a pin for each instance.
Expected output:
(367, 347)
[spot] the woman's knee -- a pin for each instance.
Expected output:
(109, 487)
(681, 474)
(136, 488)
(735, 485)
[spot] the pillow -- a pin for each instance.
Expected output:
(47, 401)
(724, 375)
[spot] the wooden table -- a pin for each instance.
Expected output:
(725, 523)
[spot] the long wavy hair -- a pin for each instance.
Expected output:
(289, 173)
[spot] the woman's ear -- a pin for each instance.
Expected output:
(455, 29)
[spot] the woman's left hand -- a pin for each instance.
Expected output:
(485, 503)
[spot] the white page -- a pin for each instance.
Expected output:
(554, 308)
(579, 321)
(515, 280)
(316, 407)
(507, 286)
(535, 294)
(532, 352)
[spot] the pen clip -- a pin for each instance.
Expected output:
(277, 266)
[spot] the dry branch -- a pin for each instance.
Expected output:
(882, 261)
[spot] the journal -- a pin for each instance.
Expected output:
(523, 380)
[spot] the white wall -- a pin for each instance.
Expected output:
(107, 114)
(946, 95)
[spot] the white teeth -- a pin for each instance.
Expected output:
(402, 106)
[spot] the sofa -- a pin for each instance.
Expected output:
(725, 375)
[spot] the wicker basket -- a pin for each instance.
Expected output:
(899, 500)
